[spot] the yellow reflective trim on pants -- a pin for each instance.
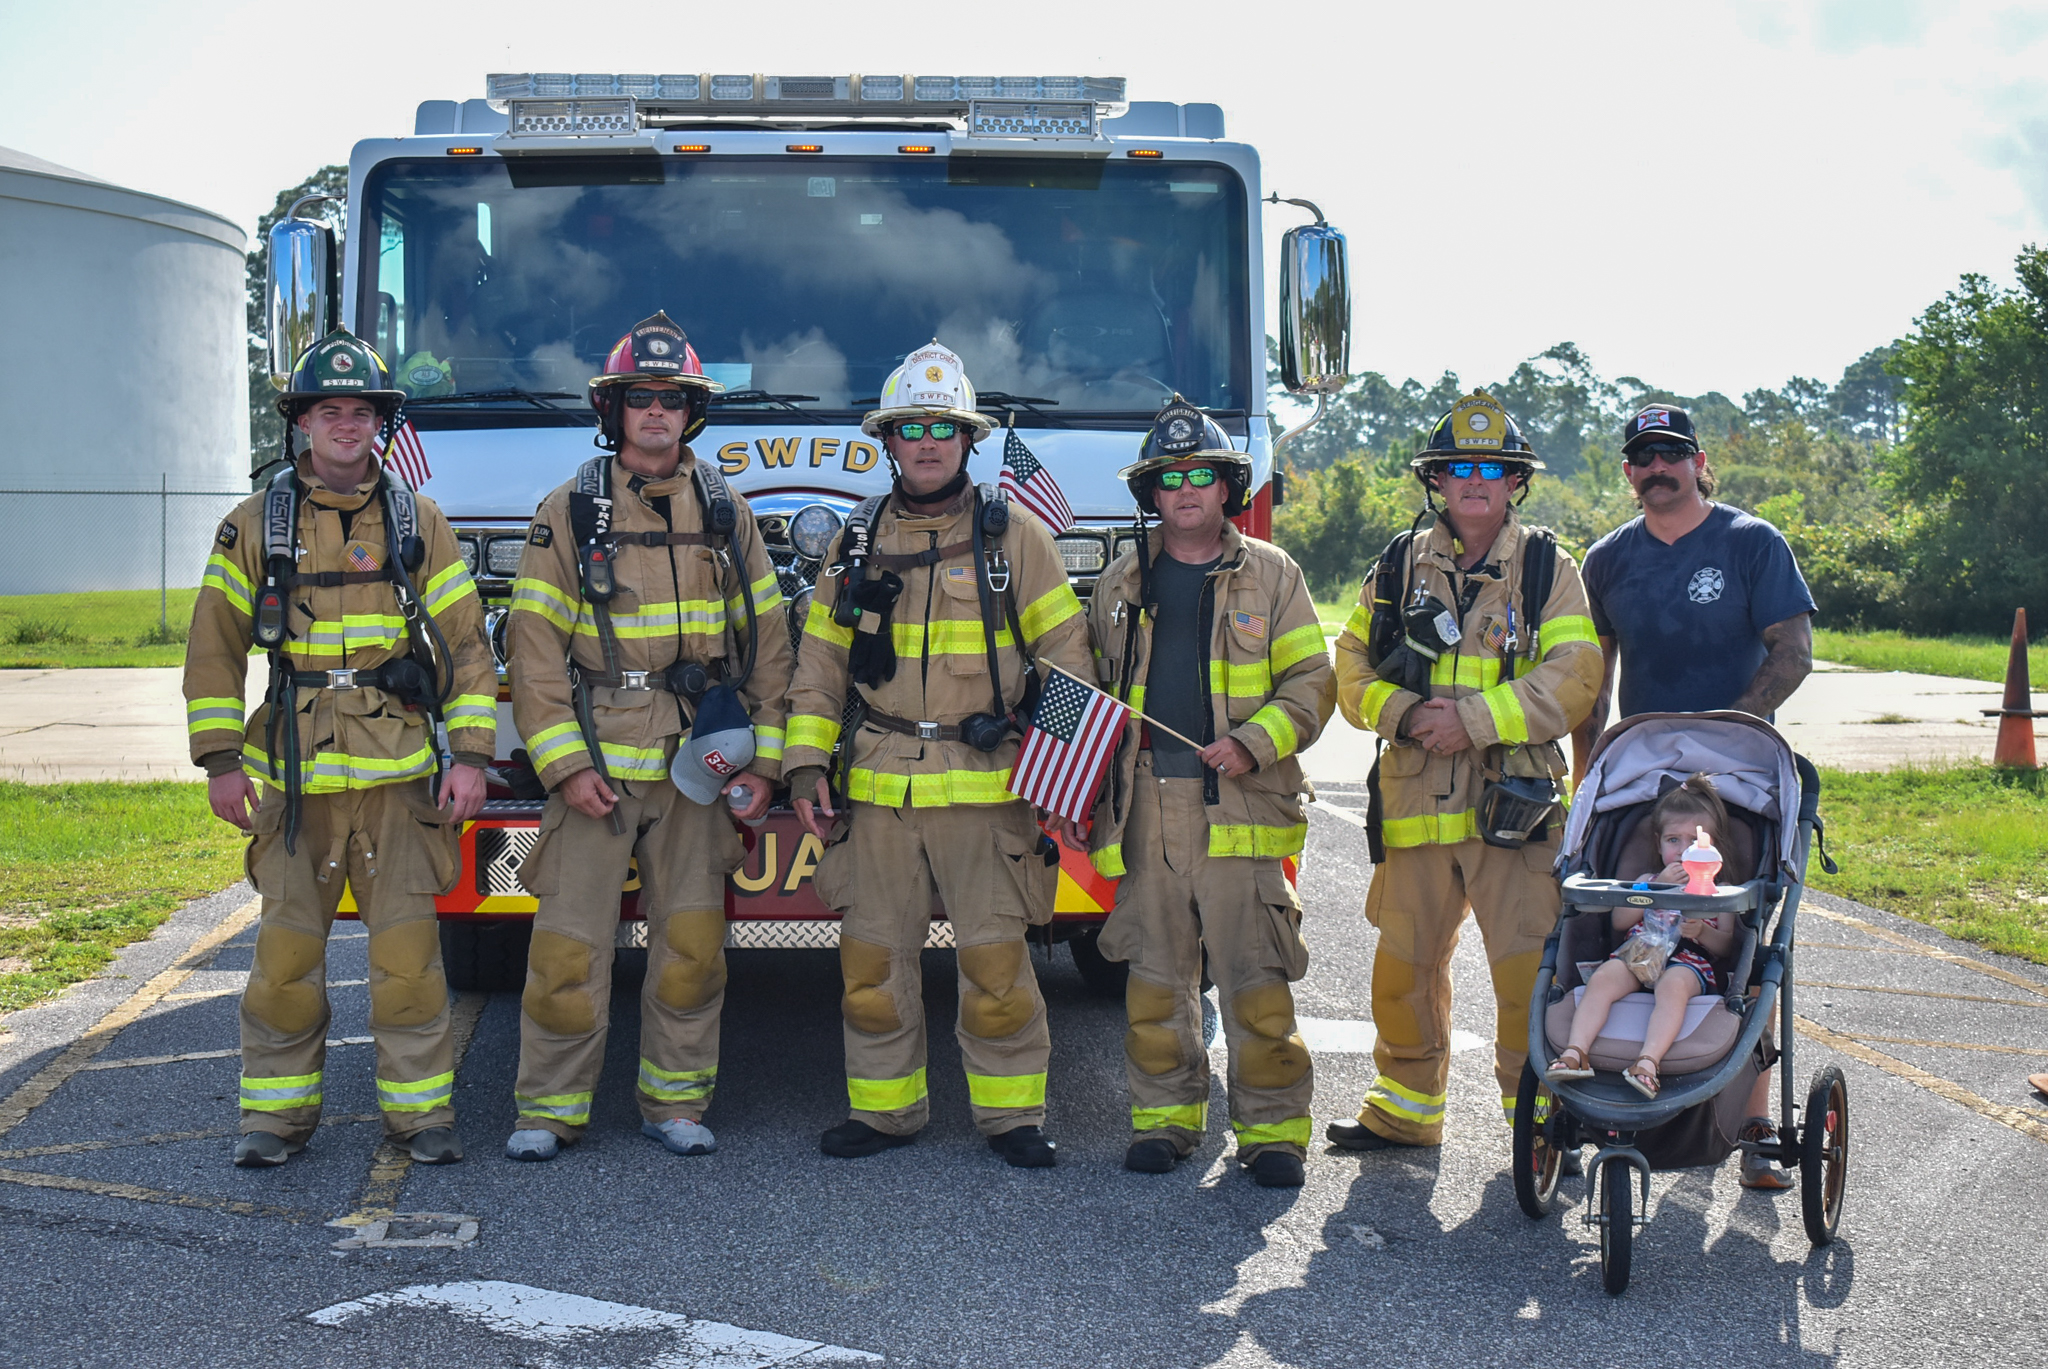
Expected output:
(676, 1086)
(225, 576)
(213, 715)
(550, 744)
(1389, 1096)
(1292, 648)
(886, 1095)
(1376, 695)
(1470, 672)
(280, 1093)
(1431, 829)
(570, 1108)
(1260, 843)
(1293, 1131)
(1048, 611)
(808, 729)
(447, 588)
(1569, 627)
(1108, 862)
(768, 743)
(1274, 722)
(1508, 719)
(940, 789)
(1187, 1116)
(1246, 680)
(1006, 1090)
(421, 1096)
(818, 623)
(538, 596)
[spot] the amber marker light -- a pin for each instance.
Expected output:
(693, 147)
(804, 147)
(1144, 152)
(921, 148)
(465, 152)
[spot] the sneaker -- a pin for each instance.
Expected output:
(532, 1143)
(435, 1146)
(1351, 1134)
(682, 1136)
(263, 1149)
(854, 1139)
(1155, 1155)
(1762, 1171)
(1024, 1148)
(1277, 1169)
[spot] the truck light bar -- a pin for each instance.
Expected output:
(559, 103)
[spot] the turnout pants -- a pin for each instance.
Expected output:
(1174, 901)
(392, 848)
(985, 862)
(684, 850)
(1417, 900)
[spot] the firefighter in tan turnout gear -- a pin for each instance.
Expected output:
(355, 587)
(1214, 635)
(1470, 653)
(928, 591)
(646, 627)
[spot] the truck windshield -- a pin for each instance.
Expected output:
(1106, 286)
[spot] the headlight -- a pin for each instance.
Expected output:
(468, 546)
(502, 556)
(1082, 554)
(812, 530)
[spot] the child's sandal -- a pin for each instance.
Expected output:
(1564, 1067)
(1644, 1081)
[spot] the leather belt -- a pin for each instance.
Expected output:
(923, 731)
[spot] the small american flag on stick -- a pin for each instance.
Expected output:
(1068, 746)
(405, 455)
(1026, 480)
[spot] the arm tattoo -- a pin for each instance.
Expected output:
(1790, 661)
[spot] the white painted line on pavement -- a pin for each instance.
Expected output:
(1346, 814)
(540, 1315)
(1344, 1037)
(138, 1061)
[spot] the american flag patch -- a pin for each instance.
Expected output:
(1249, 622)
(960, 574)
(359, 556)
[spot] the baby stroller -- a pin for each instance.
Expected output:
(1773, 800)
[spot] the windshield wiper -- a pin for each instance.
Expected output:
(538, 398)
(788, 402)
(1001, 399)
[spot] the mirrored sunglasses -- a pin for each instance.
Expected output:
(1462, 470)
(647, 399)
(914, 432)
(1200, 477)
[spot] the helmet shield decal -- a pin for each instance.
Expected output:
(1478, 423)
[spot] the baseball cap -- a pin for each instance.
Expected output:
(1657, 423)
(720, 744)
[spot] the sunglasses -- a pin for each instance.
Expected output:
(1201, 477)
(914, 432)
(1462, 470)
(647, 399)
(1668, 451)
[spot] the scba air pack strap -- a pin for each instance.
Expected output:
(423, 685)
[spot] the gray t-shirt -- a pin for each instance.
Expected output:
(1177, 681)
(1689, 618)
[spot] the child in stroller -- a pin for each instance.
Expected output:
(1677, 818)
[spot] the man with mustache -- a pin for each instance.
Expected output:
(1705, 609)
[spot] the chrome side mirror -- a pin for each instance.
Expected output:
(302, 295)
(1315, 307)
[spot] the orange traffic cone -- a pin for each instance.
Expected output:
(2016, 718)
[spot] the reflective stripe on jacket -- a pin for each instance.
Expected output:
(349, 739)
(673, 603)
(1270, 687)
(1429, 798)
(941, 660)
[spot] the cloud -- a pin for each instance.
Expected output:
(1844, 26)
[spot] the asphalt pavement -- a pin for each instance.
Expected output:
(130, 1239)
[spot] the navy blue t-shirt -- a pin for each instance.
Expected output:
(1689, 617)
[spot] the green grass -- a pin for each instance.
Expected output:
(87, 868)
(1959, 848)
(1961, 658)
(116, 627)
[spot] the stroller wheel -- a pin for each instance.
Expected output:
(1824, 1154)
(1617, 1181)
(1537, 1159)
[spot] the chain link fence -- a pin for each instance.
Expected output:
(103, 576)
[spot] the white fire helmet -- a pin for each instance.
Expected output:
(931, 383)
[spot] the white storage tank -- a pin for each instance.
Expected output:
(123, 367)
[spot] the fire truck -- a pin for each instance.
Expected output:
(1087, 256)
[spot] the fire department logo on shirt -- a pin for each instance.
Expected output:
(1706, 585)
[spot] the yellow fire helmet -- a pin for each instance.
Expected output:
(1477, 426)
(931, 383)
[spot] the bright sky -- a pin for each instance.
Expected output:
(1717, 194)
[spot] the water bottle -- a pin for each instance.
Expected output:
(1702, 862)
(739, 797)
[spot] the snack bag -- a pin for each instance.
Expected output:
(1650, 944)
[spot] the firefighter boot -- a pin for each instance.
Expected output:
(1153, 1155)
(854, 1139)
(1276, 1168)
(1024, 1148)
